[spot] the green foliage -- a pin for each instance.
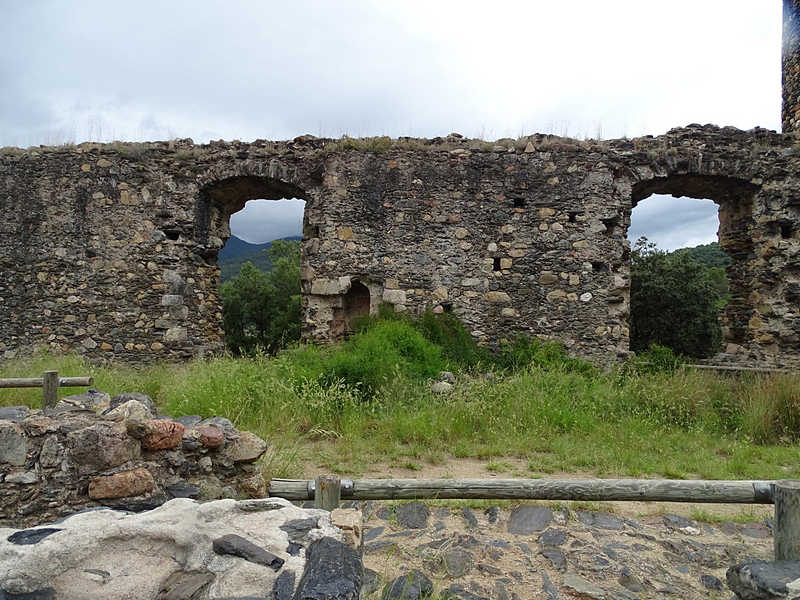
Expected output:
(525, 351)
(674, 303)
(262, 310)
(685, 424)
(448, 333)
(387, 350)
(709, 255)
(656, 359)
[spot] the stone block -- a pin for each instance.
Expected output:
(13, 446)
(163, 434)
(122, 485)
(394, 296)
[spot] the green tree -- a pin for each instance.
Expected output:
(674, 302)
(262, 310)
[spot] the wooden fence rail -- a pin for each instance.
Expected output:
(49, 382)
(328, 490)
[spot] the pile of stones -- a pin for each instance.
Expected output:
(93, 450)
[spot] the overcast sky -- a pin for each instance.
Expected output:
(74, 70)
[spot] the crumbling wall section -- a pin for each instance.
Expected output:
(111, 250)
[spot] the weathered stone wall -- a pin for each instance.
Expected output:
(92, 450)
(790, 74)
(111, 250)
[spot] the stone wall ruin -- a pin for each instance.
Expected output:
(110, 250)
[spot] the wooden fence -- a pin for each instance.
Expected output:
(49, 382)
(328, 490)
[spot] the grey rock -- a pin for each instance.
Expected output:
(189, 421)
(525, 520)
(469, 517)
(457, 562)
(45, 594)
(22, 477)
(500, 591)
(755, 530)
(184, 585)
(629, 581)
(553, 537)
(441, 387)
(414, 585)
(710, 582)
(583, 588)
(298, 529)
(284, 586)
(293, 549)
(333, 572)
(489, 569)
(373, 533)
(15, 414)
(556, 557)
(456, 591)
(135, 505)
(220, 422)
(183, 489)
(372, 581)
(385, 513)
(31, 536)
(413, 515)
(600, 520)
(236, 545)
(447, 376)
(94, 400)
(13, 447)
(757, 580)
(548, 589)
(677, 522)
(143, 399)
(492, 514)
(379, 546)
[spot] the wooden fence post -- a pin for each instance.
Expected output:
(786, 495)
(327, 492)
(49, 389)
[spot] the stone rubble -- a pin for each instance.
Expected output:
(537, 551)
(92, 450)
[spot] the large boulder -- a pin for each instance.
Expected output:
(183, 549)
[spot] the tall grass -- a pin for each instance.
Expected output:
(369, 401)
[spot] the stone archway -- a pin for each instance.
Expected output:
(735, 198)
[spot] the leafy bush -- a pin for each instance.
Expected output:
(674, 302)
(388, 349)
(656, 359)
(526, 351)
(262, 310)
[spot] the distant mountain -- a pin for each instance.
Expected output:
(710, 255)
(237, 252)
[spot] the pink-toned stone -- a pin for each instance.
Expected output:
(210, 436)
(163, 435)
(121, 485)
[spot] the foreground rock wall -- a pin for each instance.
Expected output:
(110, 250)
(93, 450)
(256, 549)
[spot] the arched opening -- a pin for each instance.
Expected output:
(250, 229)
(691, 291)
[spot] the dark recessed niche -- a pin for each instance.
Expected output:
(310, 231)
(786, 230)
(447, 307)
(573, 217)
(496, 263)
(600, 267)
(172, 235)
(519, 202)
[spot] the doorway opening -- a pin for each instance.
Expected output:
(251, 229)
(688, 257)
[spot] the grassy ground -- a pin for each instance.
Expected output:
(537, 419)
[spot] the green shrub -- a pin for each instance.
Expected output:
(656, 359)
(456, 343)
(386, 350)
(525, 351)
